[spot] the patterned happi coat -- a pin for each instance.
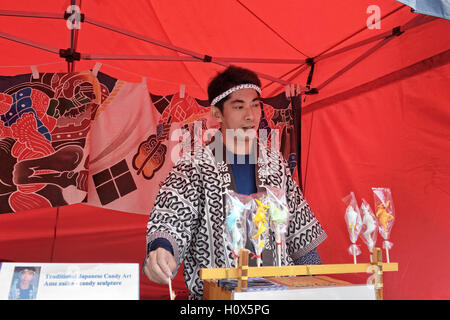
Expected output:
(189, 212)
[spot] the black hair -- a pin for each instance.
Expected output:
(227, 79)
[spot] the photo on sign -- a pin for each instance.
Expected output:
(24, 283)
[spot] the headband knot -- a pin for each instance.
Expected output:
(233, 89)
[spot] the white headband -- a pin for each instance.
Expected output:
(231, 90)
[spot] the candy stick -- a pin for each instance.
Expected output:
(258, 259)
(278, 241)
(351, 215)
(171, 292)
(354, 251)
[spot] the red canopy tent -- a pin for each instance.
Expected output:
(375, 112)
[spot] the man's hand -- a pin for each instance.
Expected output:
(159, 266)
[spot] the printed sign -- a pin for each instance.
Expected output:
(69, 281)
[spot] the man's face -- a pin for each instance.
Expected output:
(26, 277)
(241, 114)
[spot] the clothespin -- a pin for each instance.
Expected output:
(35, 72)
(297, 89)
(287, 91)
(96, 68)
(292, 90)
(182, 90)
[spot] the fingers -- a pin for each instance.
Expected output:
(159, 266)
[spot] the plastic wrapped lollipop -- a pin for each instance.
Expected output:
(369, 229)
(384, 211)
(278, 213)
(354, 223)
(235, 222)
(259, 228)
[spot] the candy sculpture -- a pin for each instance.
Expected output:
(278, 213)
(354, 223)
(385, 214)
(235, 223)
(260, 221)
(369, 229)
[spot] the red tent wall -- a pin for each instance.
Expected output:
(397, 136)
(27, 235)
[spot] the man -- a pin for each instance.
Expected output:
(24, 288)
(188, 220)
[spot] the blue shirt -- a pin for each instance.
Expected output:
(243, 167)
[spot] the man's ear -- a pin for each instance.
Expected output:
(216, 114)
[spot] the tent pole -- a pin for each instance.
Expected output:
(28, 14)
(262, 60)
(71, 64)
(353, 63)
(353, 46)
(239, 60)
(284, 75)
(437, 60)
(360, 30)
(143, 38)
(187, 58)
(290, 78)
(414, 22)
(87, 56)
(29, 43)
(349, 37)
(200, 57)
(99, 57)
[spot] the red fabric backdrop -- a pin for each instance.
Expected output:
(396, 136)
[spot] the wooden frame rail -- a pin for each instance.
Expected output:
(243, 271)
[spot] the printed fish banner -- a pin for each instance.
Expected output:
(134, 144)
(44, 124)
(137, 137)
(67, 138)
(125, 151)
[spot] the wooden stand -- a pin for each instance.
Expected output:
(377, 262)
(243, 270)
(211, 290)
